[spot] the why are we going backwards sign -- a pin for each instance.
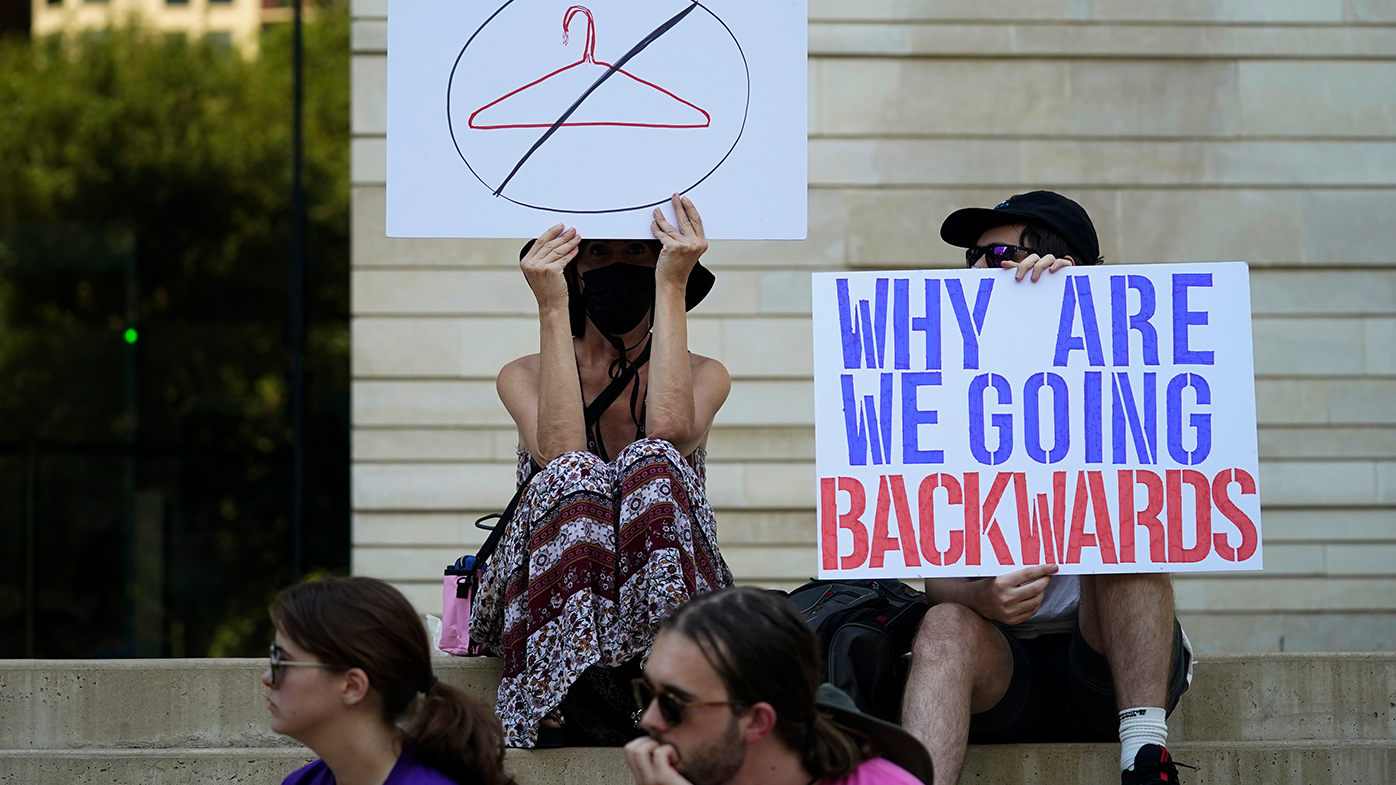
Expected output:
(1101, 419)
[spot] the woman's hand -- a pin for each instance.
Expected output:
(543, 265)
(683, 245)
(1037, 265)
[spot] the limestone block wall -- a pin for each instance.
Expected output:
(1191, 131)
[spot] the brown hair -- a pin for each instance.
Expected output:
(764, 651)
(1045, 240)
(365, 623)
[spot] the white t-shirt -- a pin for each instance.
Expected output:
(1060, 603)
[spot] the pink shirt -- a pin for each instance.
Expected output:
(877, 771)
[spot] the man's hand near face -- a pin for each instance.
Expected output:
(652, 763)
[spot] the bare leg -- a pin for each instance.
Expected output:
(960, 665)
(1129, 619)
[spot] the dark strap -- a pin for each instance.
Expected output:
(590, 416)
(604, 399)
(497, 532)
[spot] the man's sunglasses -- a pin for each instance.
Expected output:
(278, 665)
(998, 253)
(671, 706)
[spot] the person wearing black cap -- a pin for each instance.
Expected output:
(1026, 656)
(613, 529)
(731, 695)
(1035, 232)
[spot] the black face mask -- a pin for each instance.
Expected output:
(618, 296)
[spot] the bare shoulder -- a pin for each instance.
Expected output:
(525, 366)
(710, 378)
(518, 374)
(708, 368)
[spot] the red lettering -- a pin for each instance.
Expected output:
(1059, 511)
(1202, 503)
(906, 527)
(1034, 525)
(1147, 517)
(852, 520)
(1250, 539)
(1102, 538)
(1048, 524)
(828, 523)
(882, 541)
(925, 496)
(831, 520)
(972, 511)
(1103, 529)
(992, 530)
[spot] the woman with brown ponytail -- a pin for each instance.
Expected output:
(349, 668)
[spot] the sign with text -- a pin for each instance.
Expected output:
(1101, 419)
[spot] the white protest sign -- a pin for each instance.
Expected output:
(1102, 419)
(508, 116)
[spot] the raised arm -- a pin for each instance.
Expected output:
(543, 392)
(684, 391)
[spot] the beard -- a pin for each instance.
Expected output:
(715, 763)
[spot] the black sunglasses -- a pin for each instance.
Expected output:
(997, 254)
(671, 706)
(278, 665)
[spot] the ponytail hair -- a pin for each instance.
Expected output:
(365, 623)
(764, 651)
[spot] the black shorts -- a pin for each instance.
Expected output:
(1062, 691)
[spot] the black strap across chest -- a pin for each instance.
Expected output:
(598, 406)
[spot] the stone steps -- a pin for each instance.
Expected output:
(1274, 718)
(1369, 762)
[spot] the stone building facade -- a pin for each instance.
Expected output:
(1191, 131)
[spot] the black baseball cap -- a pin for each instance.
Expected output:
(1045, 208)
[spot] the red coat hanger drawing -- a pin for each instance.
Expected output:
(648, 105)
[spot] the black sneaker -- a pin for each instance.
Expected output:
(1152, 764)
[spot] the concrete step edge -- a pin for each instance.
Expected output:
(494, 663)
(1178, 748)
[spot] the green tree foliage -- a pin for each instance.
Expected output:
(137, 153)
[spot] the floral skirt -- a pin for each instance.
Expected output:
(596, 555)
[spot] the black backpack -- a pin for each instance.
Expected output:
(865, 628)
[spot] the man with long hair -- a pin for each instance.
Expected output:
(731, 694)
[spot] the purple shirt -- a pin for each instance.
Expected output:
(877, 771)
(407, 772)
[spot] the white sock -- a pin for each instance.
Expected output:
(1139, 726)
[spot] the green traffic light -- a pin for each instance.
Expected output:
(130, 335)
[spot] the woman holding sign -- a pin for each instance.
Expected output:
(614, 529)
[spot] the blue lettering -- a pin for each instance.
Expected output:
(1201, 423)
(868, 432)
(1002, 423)
(930, 324)
(970, 333)
(901, 313)
(1121, 321)
(1126, 410)
(913, 416)
(861, 343)
(1094, 429)
(1183, 318)
(1061, 439)
(1077, 293)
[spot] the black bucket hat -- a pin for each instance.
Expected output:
(700, 279)
(963, 228)
(892, 741)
